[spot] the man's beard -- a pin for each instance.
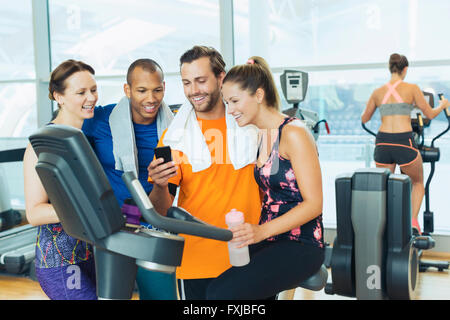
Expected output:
(213, 99)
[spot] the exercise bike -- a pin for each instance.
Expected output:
(375, 255)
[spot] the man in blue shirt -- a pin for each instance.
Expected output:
(112, 131)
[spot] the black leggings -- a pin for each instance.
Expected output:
(274, 267)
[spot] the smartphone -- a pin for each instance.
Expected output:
(164, 152)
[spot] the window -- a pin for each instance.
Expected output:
(345, 46)
(111, 34)
(18, 111)
(328, 32)
(17, 84)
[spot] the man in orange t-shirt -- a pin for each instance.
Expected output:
(210, 193)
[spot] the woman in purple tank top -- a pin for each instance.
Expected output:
(287, 246)
(64, 266)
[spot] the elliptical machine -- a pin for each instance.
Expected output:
(430, 154)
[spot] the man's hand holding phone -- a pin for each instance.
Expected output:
(162, 168)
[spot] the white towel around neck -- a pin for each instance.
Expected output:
(122, 131)
(184, 134)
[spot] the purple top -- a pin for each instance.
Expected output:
(55, 248)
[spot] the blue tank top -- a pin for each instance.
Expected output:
(276, 179)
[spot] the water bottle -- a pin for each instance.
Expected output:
(238, 256)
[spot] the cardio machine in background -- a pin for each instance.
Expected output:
(294, 84)
(8, 216)
(430, 154)
(17, 243)
(375, 255)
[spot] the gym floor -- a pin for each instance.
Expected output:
(433, 285)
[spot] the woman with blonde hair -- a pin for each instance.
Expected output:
(286, 247)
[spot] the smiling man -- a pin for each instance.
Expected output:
(210, 182)
(145, 88)
(145, 92)
(140, 117)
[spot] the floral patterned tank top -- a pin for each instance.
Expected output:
(276, 179)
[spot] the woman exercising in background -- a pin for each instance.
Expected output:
(64, 266)
(394, 142)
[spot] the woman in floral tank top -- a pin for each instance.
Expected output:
(287, 246)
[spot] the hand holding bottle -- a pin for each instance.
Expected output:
(239, 256)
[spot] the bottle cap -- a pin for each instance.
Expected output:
(234, 216)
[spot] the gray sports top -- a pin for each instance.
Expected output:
(390, 109)
(400, 108)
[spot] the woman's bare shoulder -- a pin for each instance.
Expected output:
(297, 130)
(378, 94)
(409, 85)
(380, 90)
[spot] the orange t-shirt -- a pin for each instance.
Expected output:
(209, 195)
